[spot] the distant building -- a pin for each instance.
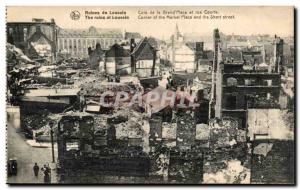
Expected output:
(184, 56)
(77, 41)
(132, 35)
(237, 44)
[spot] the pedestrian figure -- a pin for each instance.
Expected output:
(47, 172)
(9, 171)
(14, 167)
(36, 169)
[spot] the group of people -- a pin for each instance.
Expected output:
(46, 171)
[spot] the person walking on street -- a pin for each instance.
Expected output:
(46, 171)
(14, 167)
(49, 171)
(36, 169)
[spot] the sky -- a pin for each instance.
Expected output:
(247, 20)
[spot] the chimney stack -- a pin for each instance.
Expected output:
(132, 59)
(199, 53)
(132, 45)
(278, 55)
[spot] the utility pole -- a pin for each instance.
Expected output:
(52, 143)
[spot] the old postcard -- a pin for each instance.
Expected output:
(150, 95)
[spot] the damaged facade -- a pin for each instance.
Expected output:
(243, 81)
(37, 38)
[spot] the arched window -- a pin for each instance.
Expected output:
(65, 44)
(70, 43)
(75, 44)
(94, 43)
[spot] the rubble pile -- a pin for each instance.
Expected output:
(223, 132)
(129, 129)
(73, 63)
(15, 54)
(20, 68)
(183, 171)
(42, 133)
(47, 70)
(132, 127)
(100, 123)
(96, 88)
(233, 173)
(32, 122)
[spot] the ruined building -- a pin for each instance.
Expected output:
(96, 58)
(184, 56)
(242, 81)
(36, 39)
(85, 150)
